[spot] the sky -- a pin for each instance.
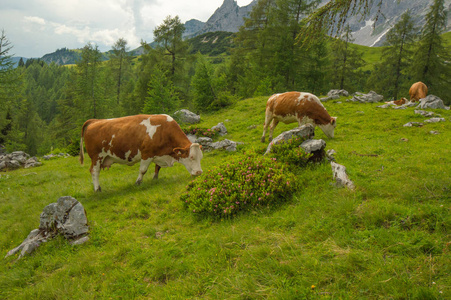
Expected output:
(37, 27)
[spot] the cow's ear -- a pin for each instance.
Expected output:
(180, 151)
(334, 121)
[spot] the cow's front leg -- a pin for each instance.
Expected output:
(143, 166)
(95, 171)
(157, 170)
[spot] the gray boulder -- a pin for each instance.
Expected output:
(433, 102)
(66, 217)
(434, 120)
(16, 160)
(315, 147)
(371, 97)
(305, 131)
(186, 116)
(226, 144)
(32, 162)
(424, 113)
(340, 176)
(335, 94)
(222, 130)
(311, 146)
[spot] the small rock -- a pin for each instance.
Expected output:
(411, 124)
(434, 120)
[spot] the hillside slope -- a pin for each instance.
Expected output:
(387, 239)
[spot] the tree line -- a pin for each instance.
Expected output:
(44, 105)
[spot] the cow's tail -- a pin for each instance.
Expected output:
(82, 152)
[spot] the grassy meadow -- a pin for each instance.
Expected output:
(388, 239)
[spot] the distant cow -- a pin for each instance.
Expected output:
(418, 91)
(399, 102)
(297, 107)
(141, 138)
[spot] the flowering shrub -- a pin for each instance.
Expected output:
(202, 132)
(291, 153)
(241, 183)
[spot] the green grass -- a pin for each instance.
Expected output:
(388, 239)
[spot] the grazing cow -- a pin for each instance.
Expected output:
(399, 102)
(144, 138)
(298, 107)
(418, 91)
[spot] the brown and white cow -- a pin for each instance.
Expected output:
(418, 91)
(401, 101)
(298, 107)
(141, 138)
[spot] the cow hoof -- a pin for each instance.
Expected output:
(263, 139)
(269, 140)
(98, 190)
(138, 182)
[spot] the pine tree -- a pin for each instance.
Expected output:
(162, 97)
(120, 65)
(88, 88)
(346, 63)
(393, 69)
(432, 57)
(202, 85)
(169, 38)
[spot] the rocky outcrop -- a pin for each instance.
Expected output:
(305, 131)
(16, 160)
(371, 97)
(340, 176)
(228, 17)
(433, 102)
(335, 94)
(66, 217)
(186, 116)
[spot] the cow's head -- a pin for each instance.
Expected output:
(190, 157)
(328, 128)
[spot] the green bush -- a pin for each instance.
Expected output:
(291, 153)
(245, 182)
(201, 132)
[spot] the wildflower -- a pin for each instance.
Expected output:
(313, 286)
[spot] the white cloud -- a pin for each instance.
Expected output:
(35, 20)
(37, 27)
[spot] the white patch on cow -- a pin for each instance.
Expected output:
(306, 120)
(151, 129)
(310, 97)
(109, 158)
(287, 119)
(111, 142)
(127, 154)
(169, 118)
(164, 161)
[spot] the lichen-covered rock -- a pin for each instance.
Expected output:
(186, 116)
(66, 217)
(433, 102)
(305, 131)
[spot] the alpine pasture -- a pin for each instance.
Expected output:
(388, 239)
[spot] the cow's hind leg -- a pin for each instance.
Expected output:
(268, 118)
(143, 166)
(157, 170)
(95, 171)
(271, 128)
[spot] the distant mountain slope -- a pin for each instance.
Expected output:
(364, 31)
(228, 17)
(212, 43)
